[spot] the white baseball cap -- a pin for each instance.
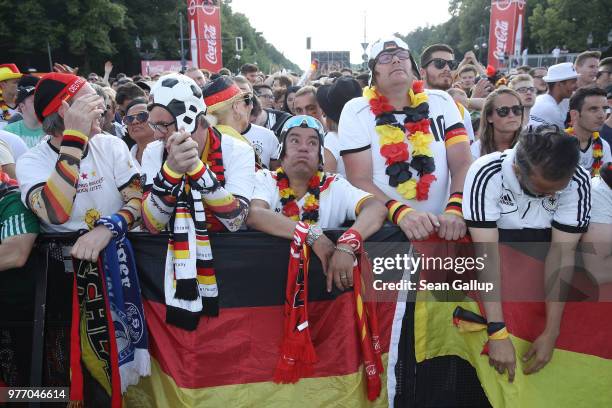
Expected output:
(560, 72)
(386, 43)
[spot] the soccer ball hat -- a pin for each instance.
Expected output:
(179, 95)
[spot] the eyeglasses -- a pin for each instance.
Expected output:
(504, 111)
(161, 127)
(266, 96)
(387, 57)
(140, 116)
(440, 63)
(525, 89)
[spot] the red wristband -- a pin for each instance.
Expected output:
(353, 239)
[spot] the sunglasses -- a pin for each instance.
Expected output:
(248, 99)
(504, 111)
(140, 116)
(303, 121)
(440, 63)
(387, 57)
(161, 127)
(525, 89)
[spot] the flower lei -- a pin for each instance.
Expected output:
(395, 150)
(6, 114)
(310, 213)
(597, 151)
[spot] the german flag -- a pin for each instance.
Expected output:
(580, 372)
(230, 359)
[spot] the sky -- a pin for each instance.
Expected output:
(336, 25)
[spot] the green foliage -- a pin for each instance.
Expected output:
(86, 33)
(569, 22)
(548, 23)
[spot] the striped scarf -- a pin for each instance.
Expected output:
(190, 282)
(297, 353)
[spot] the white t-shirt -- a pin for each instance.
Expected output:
(586, 156)
(546, 111)
(602, 201)
(264, 142)
(338, 200)
(493, 197)
(6, 155)
(475, 149)
(357, 133)
(332, 143)
(17, 145)
(106, 168)
(238, 163)
(133, 151)
(467, 122)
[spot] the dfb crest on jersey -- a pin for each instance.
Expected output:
(180, 96)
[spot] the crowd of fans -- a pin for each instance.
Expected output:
(432, 144)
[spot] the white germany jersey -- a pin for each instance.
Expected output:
(493, 197)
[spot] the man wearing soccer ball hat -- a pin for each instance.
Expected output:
(194, 179)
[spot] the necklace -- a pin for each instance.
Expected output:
(393, 146)
(310, 210)
(597, 151)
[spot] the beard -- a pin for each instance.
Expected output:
(440, 83)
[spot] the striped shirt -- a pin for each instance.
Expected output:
(15, 218)
(493, 198)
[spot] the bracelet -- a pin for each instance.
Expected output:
(351, 238)
(454, 204)
(497, 331)
(397, 211)
(314, 233)
(346, 251)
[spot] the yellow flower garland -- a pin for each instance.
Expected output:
(420, 142)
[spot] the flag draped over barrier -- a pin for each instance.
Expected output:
(230, 359)
(580, 372)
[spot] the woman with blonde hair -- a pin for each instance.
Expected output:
(500, 122)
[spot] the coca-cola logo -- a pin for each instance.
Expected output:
(210, 35)
(502, 5)
(501, 38)
(208, 7)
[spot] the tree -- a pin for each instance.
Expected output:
(86, 33)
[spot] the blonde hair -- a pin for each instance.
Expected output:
(519, 78)
(485, 131)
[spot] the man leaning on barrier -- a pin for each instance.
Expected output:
(534, 192)
(195, 180)
(300, 191)
(83, 180)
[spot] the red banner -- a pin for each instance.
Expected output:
(204, 19)
(506, 30)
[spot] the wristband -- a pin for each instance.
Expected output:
(197, 172)
(73, 143)
(397, 211)
(171, 174)
(353, 239)
(497, 331)
(453, 206)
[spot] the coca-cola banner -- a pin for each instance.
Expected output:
(506, 30)
(204, 19)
